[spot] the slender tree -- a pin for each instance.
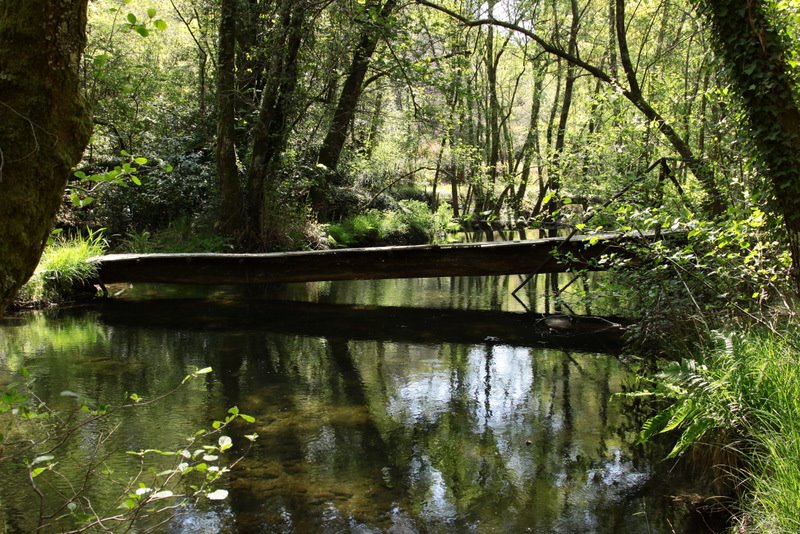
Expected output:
(227, 171)
(334, 141)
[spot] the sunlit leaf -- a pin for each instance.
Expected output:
(218, 495)
(38, 471)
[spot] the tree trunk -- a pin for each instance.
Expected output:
(348, 99)
(44, 126)
(227, 171)
(531, 146)
(563, 120)
(756, 59)
(272, 127)
(714, 203)
(351, 91)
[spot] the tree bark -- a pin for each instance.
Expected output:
(272, 127)
(755, 56)
(331, 149)
(227, 171)
(351, 91)
(563, 120)
(44, 126)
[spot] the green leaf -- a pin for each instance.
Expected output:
(131, 18)
(151, 12)
(160, 25)
(135, 179)
(141, 161)
(38, 471)
(100, 60)
(248, 418)
(141, 30)
(203, 371)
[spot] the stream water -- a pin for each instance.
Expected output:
(363, 426)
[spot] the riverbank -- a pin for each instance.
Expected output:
(738, 403)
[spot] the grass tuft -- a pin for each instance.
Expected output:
(63, 270)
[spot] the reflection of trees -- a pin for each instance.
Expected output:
(452, 434)
(469, 450)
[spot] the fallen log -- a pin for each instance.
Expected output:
(549, 255)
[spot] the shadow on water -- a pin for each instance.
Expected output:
(370, 419)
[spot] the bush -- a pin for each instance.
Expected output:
(411, 224)
(163, 197)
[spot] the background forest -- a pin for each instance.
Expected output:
(276, 116)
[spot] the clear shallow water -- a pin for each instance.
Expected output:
(360, 430)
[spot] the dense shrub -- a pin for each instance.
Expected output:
(411, 224)
(162, 198)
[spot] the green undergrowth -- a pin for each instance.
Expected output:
(63, 272)
(181, 235)
(413, 223)
(740, 399)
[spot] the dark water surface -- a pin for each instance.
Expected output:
(380, 428)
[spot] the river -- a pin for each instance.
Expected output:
(389, 425)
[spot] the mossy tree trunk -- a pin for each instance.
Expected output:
(755, 56)
(44, 126)
(227, 171)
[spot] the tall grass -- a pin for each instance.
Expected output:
(773, 501)
(743, 395)
(63, 269)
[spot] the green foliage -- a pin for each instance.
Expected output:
(704, 399)
(63, 269)
(81, 191)
(412, 223)
(733, 268)
(35, 434)
(184, 234)
(168, 193)
(743, 390)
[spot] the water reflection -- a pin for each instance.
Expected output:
(361, 434)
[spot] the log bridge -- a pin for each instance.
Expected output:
(548, 255)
